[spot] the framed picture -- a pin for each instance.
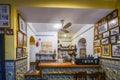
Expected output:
(97, 43)
(18, 52)
(116, 50)
(9, 31)
(100, 36)
(25, 40)
(95, 30)
(115, 31)
(23, 52)
(96, 37)
(105, 41)
(20, 39)
(106, 50)
(97, 50)
(22, 24)
(118, 38)
(115, 13)
(102, 28)
(5, 15)
(113, 39)
(2, 31)
(113, 23)
(106, 34)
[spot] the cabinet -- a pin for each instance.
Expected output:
(45, 58)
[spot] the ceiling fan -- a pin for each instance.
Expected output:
(64, 27)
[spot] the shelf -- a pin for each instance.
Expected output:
(58, 73)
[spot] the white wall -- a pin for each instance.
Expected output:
(87, 32)
(30, 32)
(47, 36)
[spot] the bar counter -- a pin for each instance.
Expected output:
(64, 71)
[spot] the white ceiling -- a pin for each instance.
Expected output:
(44, 19)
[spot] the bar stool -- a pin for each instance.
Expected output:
(81, 76)
(98, 76)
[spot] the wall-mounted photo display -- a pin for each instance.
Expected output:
(105, 41)
(106, 50)
(5, 15)
(18, 52)
(115, 31)
(113, 23)
(116, 50)
(2, 31)
(25, 40)
(97, 50)
(23, 52)
(22, 24)
(9, 31)
(20, 39)
(97, 43)
(102, 28)
(106, 34)
(118, 38)
(113, 39)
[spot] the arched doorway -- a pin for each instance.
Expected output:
(32, 49)
(82, 47)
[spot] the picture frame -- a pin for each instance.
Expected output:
(9, 31)
(95, 31)
(97, 43)
(100, 36)
(25, 40)
(116, 50)
(105, 41)
(113, 23)
(23, 52)
(106, 34)
(20, 39)
(115, 31)
(5, 15)
(2, 31)
(96, 37)
(113, 39)
(106, 50)
(118, 38)
(22, 24)
(102, 28)
(97, 50)
(115, 13)
(18, 52)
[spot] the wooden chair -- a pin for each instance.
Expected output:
(98, 76)
(81, 76)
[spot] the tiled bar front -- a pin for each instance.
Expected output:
(64, 71)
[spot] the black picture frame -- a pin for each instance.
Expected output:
(115, 50)
(5, 15)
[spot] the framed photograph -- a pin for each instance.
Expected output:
(100, 36)
(106, 50)
(23, 52)
(113, 39)
(95, 30)
(105, 41)
(97, 43)
(113, 23)
(115, 31)
(9, 31)
(97, 50)
(22, 24)
(2, 31)
(118, 38)
(106, 34)
(102, 28)
(5, 15)
(20, 39)
(25, 40)
(96, 37)
(18, 52)
(116, 50)
(115, 13)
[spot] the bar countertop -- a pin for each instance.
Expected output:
(43, 65)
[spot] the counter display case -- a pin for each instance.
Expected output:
(64, 71)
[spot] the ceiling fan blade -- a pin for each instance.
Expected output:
(66, 31)
(67, 25)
